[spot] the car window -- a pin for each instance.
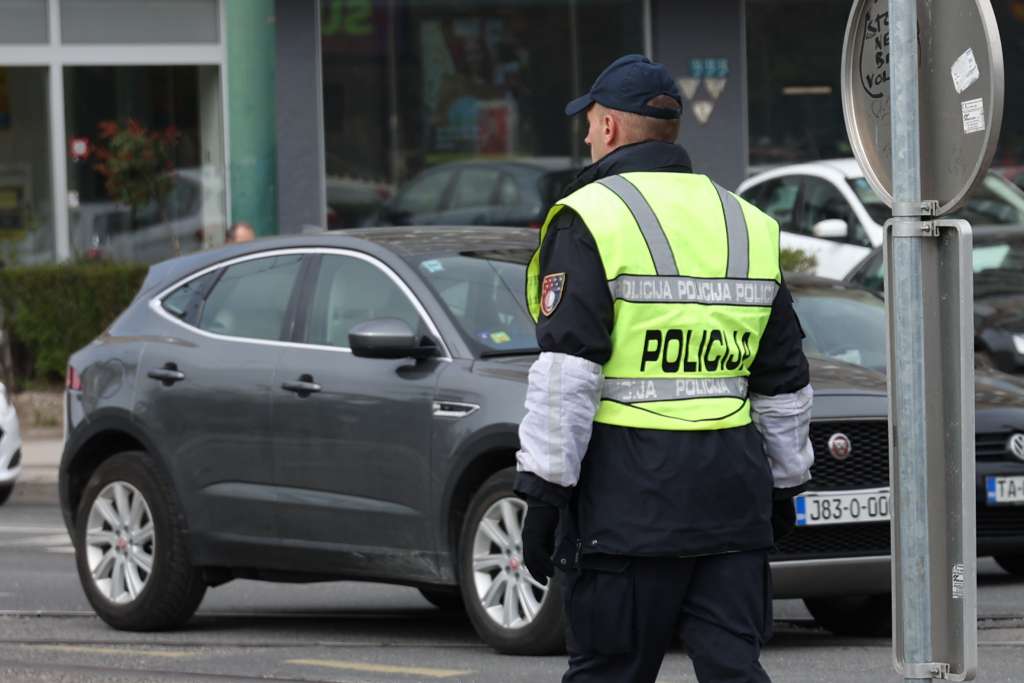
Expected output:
(182, 301)
(475, 187)
(485, 298)
(995, 202)
(424, 193)
(350, 291)
(842, 324)
(823, 201)
(508, 191)
(251, 298)
(871, 275)
(778, 200)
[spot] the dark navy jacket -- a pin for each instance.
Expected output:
(646, 492)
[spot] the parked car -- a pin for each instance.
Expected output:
(352, 197)
(998, 260)
(516, 192)
(843, 518)
(192, 217)
(828, 209)
(10, 446)
(346, 406)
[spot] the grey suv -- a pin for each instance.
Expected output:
(347, 405)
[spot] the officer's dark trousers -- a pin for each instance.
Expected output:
(623, 613)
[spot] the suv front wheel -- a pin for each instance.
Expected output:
(130, 548)
(510, 610)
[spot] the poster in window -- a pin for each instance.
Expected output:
(5, 101)
(472, 85)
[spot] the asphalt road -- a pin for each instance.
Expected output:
(348, 632)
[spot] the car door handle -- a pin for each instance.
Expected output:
(303, 387)
(168, 374)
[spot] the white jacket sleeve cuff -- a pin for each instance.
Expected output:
(784, 422)
(561, 401)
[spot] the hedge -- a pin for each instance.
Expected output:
(50, 311)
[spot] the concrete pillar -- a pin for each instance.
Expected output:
(703, 43)
(252, 58)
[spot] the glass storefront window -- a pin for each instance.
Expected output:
(141, 184)
(410, 85)
(26, 213)
(796, 108)
(796, 111)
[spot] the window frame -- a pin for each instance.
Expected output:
(300, 297)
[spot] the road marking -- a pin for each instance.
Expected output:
(89, 649)
(379, 668)
(32, 529)
(54, 540)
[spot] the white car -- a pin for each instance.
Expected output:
(828, 209)
(10, 446)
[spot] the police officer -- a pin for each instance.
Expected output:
(668, 413)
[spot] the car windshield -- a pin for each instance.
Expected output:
(484, 294)
(995, 202)
(842, 324)
(998, 263)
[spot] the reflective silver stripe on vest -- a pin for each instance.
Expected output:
(650, 390)
(650, 226)
(693, 290)
(739, 241)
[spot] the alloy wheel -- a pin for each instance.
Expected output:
(120, 542)
(510, 596)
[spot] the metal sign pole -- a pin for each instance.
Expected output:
(908, 406)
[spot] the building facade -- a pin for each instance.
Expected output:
(138, 129)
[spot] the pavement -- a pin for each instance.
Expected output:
(41, 450)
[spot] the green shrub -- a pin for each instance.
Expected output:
(51, 311)
(797, 261)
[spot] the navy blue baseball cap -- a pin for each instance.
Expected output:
(628, 84)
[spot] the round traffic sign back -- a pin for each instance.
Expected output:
(960, 80)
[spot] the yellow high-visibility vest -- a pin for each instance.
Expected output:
(693, 271)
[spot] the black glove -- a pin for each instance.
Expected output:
(783, 518)
(539, 539)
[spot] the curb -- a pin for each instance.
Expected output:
(34, 493)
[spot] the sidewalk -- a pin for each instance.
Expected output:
(41, 451)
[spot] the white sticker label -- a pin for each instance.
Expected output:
(974, 115)
(965, 71)
(959, 581)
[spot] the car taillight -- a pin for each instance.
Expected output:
(535, 225)
(74, 382)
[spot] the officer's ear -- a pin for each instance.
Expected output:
(611, 129)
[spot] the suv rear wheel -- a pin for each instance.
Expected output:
(130, 548)
(510, 610)
(5, 492)
(858, 615)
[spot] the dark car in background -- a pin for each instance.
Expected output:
(346, 406)
(516, 192)
(839, 518)
(998, 260)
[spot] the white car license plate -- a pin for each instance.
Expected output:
(1004, 490)
(817, 508)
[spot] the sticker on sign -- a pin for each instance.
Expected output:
(965, 71)
(974, 115)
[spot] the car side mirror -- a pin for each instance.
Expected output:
(831, 229)
(388, 338)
